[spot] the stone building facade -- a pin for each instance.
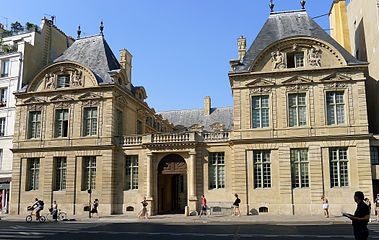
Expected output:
(298, 129)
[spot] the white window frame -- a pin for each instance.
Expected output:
(90, 124)
(335, 105)
(5, 68)
(338, 165)
(131, 172)
(260, 109)
(3, 127)
(299, 159)
(3, 97)
(297, 106)
(216, 169)
(264, 179)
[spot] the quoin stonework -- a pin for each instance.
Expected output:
(298, 129)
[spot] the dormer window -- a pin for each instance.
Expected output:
(295, 60)
(63, 81)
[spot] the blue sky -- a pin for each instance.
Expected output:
(181, 48)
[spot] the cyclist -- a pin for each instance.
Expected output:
(38, 205)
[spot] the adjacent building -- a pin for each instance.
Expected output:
(22, 54)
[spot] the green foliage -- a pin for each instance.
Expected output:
(17, 27)
(30, 26)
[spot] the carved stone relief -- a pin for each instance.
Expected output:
(49, 80)
(261, 90)
(217, 127)
(314, 57)
(297, 88)
(335, 85)
(196, 128)
(77, 78)
(278, 59)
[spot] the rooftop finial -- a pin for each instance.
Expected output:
(101, 27)
(302, 4)
(272, 6)
(78, 32)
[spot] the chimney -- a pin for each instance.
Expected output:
(339, 29)
(241, 47)
(207, 105)
(126, 63)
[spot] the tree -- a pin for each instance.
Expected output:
(29, 26)
(17, 27)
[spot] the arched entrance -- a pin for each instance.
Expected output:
(172, 184)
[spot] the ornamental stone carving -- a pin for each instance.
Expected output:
(278, 60)
(77, 78)
(217, 127)
(314, 57)
(196, 128)
(260, 90)
(49, 81)
(335, 85)
(297, 88)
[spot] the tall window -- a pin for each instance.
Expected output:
(262, 169)
(89, 173)
(335, 105)
(35, 124)
(261, 112)
(339, 169)
(1, 159)
(90, 121)
(217, 170)
(139, 127)
(299, 168)
(295, 60)
(374, 152)
(3, 97)
(63, 81)
(60, 173)
(61, 123)
(297, 110)
(131, 172)
(119, 123)
(2, 127)
(32, 174)
(4, 68)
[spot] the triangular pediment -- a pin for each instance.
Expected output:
(336, 77)
(297, 80)
(89, 95)
(60, 98)
(121, 99)
(34, 100)
(260, 82)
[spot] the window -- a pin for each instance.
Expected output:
(63, 81)
(299, 168)
(217, 170)
(61, 123)
(131, 172)
(90, 121)
(295, 60)
(3, 97)
(35, 124)
(119, 123)
(374, 152)
(335, 105)
(60, 173)
(139, 127)
(261, 112)
(2, 127)
(339, 171)
(32, 174)
(4, 68)
(262, 169)
(297, 110)
(89, 173)
(1, 159)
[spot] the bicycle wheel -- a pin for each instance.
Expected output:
(48, 217)
(29, 219)
(42, 219)
(62, 216)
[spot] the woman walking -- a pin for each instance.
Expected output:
(236, 206)
(94, 208)
(143, 212)
(325, 206)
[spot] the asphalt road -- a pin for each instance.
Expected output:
(201, 230)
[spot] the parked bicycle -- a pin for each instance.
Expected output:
(60, 215)
(29, 218)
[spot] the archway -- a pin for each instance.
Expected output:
(172, 184)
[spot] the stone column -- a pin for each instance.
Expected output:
(192, 200)
(149, 181)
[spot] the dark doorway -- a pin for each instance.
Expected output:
(172, 184)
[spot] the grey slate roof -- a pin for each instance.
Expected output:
(94, 53)
(282, 25)
(188, 118)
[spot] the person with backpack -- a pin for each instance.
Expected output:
(236, 206)
(38, 205)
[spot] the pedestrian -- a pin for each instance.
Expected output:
(376, 202)
(203, 206)
(325, 206)
(360, 217)
(143, 212)
(55, 211)
(367, 201)
(236, 206)
(94, 208)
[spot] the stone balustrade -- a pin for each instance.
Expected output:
(216, 136)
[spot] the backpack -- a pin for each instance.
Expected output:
(41, 203)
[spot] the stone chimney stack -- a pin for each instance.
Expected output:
(207, 105)
(126, 63)
(241, 47)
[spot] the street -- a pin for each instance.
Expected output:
(153, 230)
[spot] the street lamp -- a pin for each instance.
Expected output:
(89, 205)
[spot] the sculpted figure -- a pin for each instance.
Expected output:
(77, 78)
(314, 57)
(278, 59)
(49, 81)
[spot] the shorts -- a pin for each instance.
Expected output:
(236, 206)
(325, 206)
(203, 208)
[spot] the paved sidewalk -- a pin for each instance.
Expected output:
(181, 219)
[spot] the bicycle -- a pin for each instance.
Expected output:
(60, 215)
(29, 218)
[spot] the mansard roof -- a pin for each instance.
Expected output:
(94, 53)
(187, 118)
(284, 25)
